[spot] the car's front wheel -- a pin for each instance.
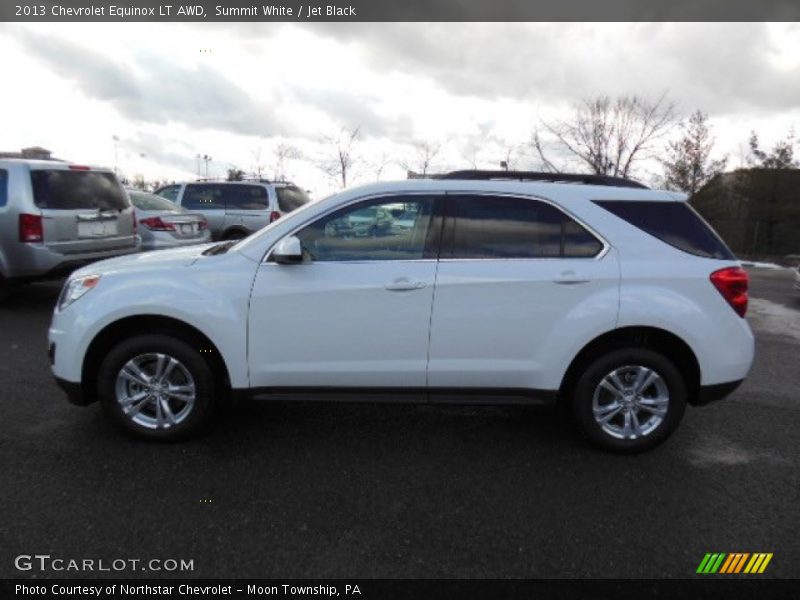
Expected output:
(157, 386)
(629, 400)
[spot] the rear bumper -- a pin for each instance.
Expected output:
(712, 393)
(37, 261)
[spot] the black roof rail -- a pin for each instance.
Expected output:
(541, 176)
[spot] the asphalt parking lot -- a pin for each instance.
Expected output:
(362, 490)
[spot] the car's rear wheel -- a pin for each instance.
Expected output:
(157, 386)
(236, 234)
(629, 400)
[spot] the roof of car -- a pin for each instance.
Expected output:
(550, 190)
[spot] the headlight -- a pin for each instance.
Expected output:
(75, 288)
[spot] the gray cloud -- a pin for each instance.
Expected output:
(158, 91)
(721, 68)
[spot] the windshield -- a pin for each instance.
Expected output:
(145, 201)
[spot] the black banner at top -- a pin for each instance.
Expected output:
(398, 10)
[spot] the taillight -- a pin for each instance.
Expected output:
(732, 283)
(203, 225)
(30, 228)
(274, 216)
(156, 224)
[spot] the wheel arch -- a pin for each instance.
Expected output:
(235, 229)
(123, 328)
(652, 338)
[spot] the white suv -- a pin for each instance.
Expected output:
(592, 291)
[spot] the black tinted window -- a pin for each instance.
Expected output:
(200, 197)
(68, 190)
(3, 187)
(503, 227)
(245, 197)
(675, 223)
(290, 198)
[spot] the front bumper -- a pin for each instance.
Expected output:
(74, 392)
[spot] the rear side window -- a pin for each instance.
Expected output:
(69, 190)
(3, 187)
(200, 197)
(145, 201)
(290, 198)
(675, 223)
(245, 197)
(504, 227)
(170, 192)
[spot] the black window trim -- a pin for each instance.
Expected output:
(437, 220)
(448, 229)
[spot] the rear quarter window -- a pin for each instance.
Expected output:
(674, 223)
(3, 187)
(291, 198)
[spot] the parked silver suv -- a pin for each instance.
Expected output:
(235, 209)
(56, 217)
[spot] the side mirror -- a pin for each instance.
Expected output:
(289, 251)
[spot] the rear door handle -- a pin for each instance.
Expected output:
(404, 284)
(570, 278)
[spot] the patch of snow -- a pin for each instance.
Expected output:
(764, 265)
(774, 318)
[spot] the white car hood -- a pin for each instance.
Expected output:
(144, 261)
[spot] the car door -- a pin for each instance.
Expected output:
(521, 286)
(207, 199)
(356, 311)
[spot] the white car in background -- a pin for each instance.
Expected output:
(592, 291)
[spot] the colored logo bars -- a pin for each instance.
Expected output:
(735, 562)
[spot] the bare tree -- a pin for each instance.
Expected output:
(780, 157)
(339, 167)
(235, 174)
(608, 135)
(281, 154)
(380, 164)
(423, 156)
(687, 164)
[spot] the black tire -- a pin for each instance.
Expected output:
(235, 234)
(205, 385)
(5, 289)
(596, 371)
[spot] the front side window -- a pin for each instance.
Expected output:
(502, 227)
(245, 197)
(203, 197)
(395, 228)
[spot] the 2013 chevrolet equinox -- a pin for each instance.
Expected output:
(588, 290)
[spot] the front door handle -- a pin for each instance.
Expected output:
(404, 284)
(569, 278)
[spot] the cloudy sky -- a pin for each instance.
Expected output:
(236, 91)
